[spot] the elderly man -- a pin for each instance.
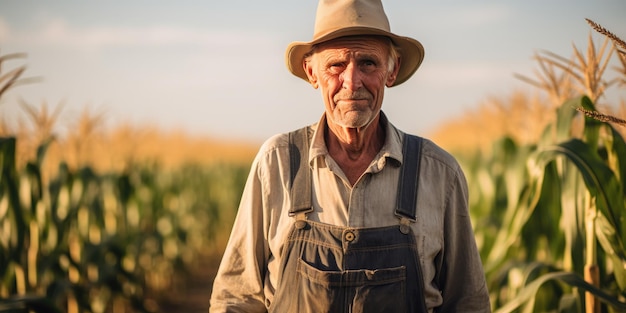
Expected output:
(351, 214)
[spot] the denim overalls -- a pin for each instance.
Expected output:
(327, 268)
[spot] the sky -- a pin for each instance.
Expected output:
(216, 68)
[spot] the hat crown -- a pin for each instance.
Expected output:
(341, 18)
(333, 15)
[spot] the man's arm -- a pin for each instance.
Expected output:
(462, 278)
(238, 286)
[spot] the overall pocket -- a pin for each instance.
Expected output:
(356, 291)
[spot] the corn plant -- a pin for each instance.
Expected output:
(564, 228)
(87, 242)
(12, 78)
(549, 215)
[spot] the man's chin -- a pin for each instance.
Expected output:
(357, 123)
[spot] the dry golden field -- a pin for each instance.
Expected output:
(520, 116)
(89, 143)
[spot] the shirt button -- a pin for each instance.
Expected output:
(349, 236)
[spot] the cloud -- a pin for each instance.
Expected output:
(58, 32)
(477, 15)
(4, 30)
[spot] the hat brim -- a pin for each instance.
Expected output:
(411, 51)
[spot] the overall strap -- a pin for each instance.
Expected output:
(409, 178)
(300, 173)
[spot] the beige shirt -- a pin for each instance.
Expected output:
(453, 276)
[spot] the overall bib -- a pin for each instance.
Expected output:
(327, 268)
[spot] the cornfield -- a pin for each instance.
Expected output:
(549, 212)
(547, 204)
(101, 243)
(84, 237)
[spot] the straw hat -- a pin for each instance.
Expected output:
(339, 18)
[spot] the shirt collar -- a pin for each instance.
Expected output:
(392, 148)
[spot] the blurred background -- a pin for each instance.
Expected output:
(128, 128)
(218, 69)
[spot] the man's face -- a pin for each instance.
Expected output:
(352, 73)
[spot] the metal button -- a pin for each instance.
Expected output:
(349, 236)
(300, 224)
(405, 229)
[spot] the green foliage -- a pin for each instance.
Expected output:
(546, 213)
(85, 242)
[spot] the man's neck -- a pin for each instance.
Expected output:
(354, 149)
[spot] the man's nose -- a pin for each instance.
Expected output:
(352, 79)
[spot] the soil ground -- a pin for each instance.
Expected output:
(191, 291)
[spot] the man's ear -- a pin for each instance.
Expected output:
(394, 74)
(308, 69)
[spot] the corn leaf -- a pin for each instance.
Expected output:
(614, 247)
(598, 177)
(526, 297)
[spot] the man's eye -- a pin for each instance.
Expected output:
(335, 68)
